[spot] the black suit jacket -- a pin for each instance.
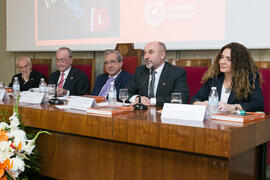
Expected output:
(76, 82)
(120, 82)
(172, 79)
(253, 103)
(32, 83)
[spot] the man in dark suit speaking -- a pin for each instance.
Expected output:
(113, 65)
(69, 80)
(157, 79)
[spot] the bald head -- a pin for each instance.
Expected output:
(24, 64)
(154, 54)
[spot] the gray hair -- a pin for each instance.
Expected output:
(162, 47)
(67, 49)
(24, 57)
(119, 56)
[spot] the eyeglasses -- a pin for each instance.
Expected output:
(111, 62)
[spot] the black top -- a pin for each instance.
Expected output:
(253, 103)
(32, 83)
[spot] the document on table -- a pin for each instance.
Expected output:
(184, 112)
(78, 103)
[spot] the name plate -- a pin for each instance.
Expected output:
(80, 103)
(3, 95)
(186, 112)
(32, 97)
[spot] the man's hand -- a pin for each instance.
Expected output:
(61, 91)
(144, 100)
(26, 75)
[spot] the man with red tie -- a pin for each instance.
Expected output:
(69, 80)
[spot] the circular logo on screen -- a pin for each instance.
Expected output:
(154, 12)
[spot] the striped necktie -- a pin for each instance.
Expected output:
(104, 91)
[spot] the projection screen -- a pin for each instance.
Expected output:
(45, 25)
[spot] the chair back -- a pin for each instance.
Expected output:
(264, 68)
(131, 57)
(191, 62)
(262, 64)
(195, 68)
(88, 67)
(43, 66)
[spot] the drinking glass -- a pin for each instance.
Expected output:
(176, 98)
(123, 95)
(2, 85)
(51, 90)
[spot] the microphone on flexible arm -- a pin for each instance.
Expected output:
(55, 100)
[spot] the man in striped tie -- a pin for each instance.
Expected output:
(113, 65)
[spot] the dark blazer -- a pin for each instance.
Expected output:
(76, 82)
(120, 82)
(253, 103)
(172, 79)
(32, 83)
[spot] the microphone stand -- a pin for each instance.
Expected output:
(55, 100)
(139, 105)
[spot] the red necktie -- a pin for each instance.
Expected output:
(60, 85)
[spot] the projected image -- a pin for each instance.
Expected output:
(85, 22)
(175, 20)
(77, 19)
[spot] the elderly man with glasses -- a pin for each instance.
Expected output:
(27, 77)
(113, 65)
(69, 80)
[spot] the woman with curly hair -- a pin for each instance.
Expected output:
(236, 78)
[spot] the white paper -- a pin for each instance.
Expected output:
(182, 122)
(32, 97)
(62, 106)
(3, 95)
(80, 103)
(116, 104)
(185, 112)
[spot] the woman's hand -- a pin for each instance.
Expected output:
(204, 103)
(228, 107)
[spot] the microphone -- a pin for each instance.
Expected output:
(139, 105)
(55, 100)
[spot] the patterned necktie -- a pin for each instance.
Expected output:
(60, 85)
(152, 85)
(104, 91)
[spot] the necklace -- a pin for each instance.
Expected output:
(227, 87)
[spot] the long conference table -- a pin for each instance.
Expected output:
(138, 145)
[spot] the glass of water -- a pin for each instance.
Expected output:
(123, 95)
(2, 86)
(176, 98)
(51, 90)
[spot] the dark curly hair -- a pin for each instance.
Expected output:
(242, 65)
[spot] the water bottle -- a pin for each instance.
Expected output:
(112, 94)
(16, 87)
(42, 86)
(213, 101)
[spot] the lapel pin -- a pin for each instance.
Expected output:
(71, 77)
(164, 84)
